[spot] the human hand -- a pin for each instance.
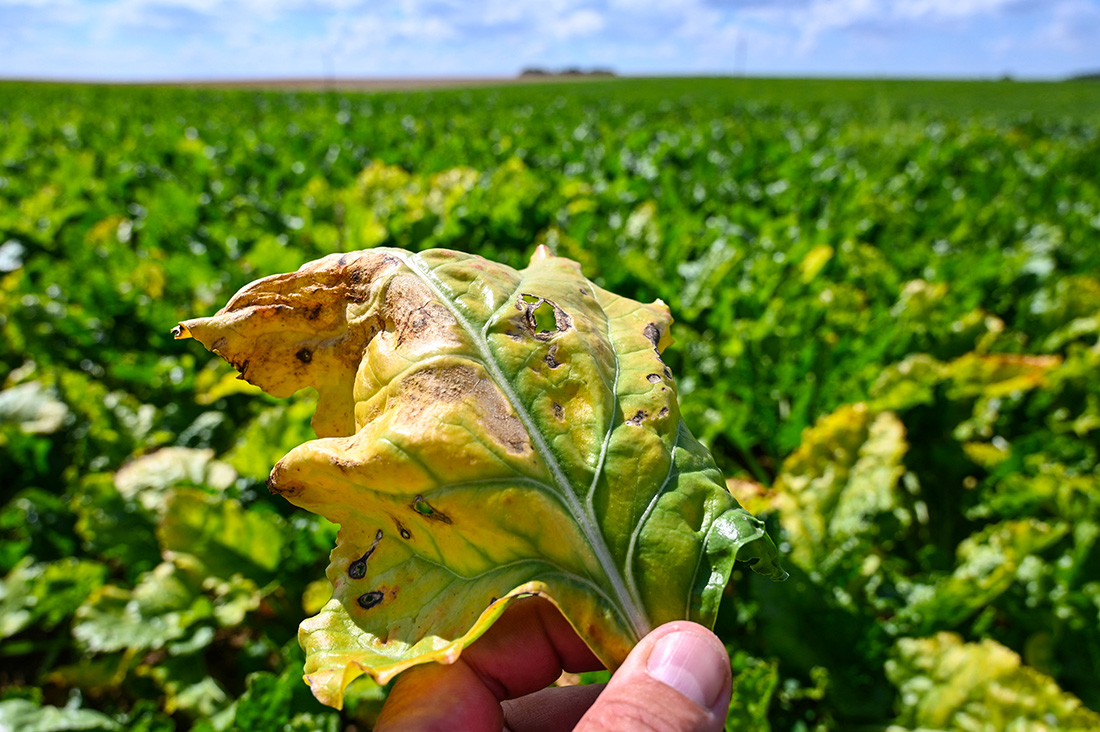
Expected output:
(677, 679)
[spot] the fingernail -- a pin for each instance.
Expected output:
(688, 663)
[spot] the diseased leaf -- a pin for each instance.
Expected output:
(839, 491)
(946, 684)
(485, 434)
(988, 563)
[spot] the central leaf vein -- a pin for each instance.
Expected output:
(626, 602)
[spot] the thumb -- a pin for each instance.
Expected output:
(677, 679)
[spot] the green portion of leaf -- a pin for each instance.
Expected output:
(946, 684)
(186, 685)
(464, 409)
(754, 685)
(44, 594)
(220, 534)
(116, 528)
(268, 437)
(279, 702)
(149, 478)
(163, 606)
(987, 565)
(20, 715)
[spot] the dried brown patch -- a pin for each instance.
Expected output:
(415, 314)
(423, 389)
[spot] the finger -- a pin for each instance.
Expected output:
(524, 651)
(676, 680)
(550, 710)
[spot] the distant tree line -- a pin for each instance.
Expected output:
(567, 71)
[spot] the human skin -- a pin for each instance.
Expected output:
(677, 679)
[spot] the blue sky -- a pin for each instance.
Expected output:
(213, 39)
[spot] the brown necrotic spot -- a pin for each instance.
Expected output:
(304, 355)
(663, 413)
(358, 568)
(405, 533)
(653, 378)
(638, 418)
(559, 410)
(370, 599)
(653, 333)
(551, 359)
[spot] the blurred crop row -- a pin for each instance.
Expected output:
(888, 314)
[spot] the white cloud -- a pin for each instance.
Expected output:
(583, 22)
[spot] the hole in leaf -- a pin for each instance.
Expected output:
(370, 599)
(545, 318)
(426, 510)
(422, 507)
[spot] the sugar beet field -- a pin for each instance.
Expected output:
(887, 330)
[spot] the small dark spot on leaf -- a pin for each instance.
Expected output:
(304, 355)
(370, 599)
(177, 331)
(668, 374)
(492, 599)
(559, 410)
(663, 413)
(343, 260)
(653, 333)
(405, 533)
(550, 359)
(314, 312)
(638, 418)
(358, 568)
(653, 378)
